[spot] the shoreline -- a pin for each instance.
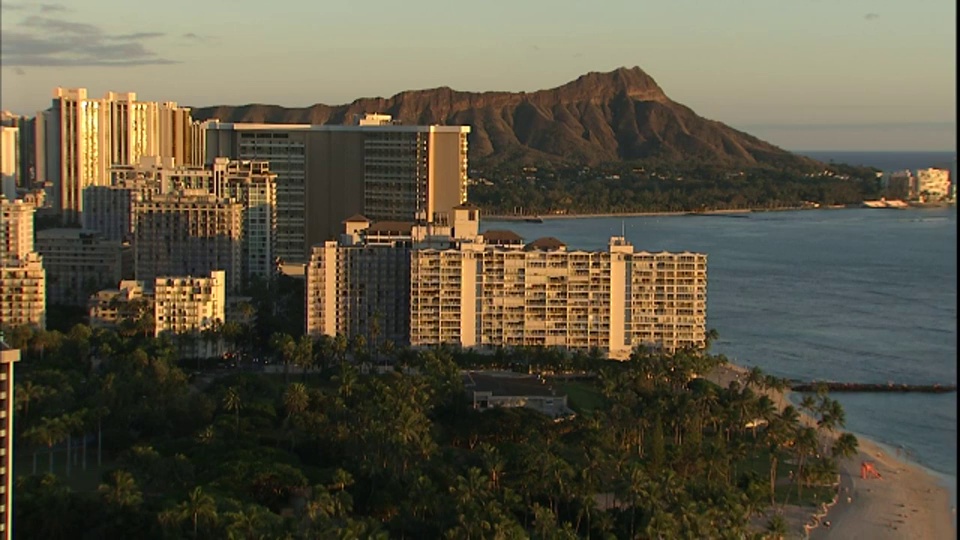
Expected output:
(735, 211)
(910, 501)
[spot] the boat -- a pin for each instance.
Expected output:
(533, 219)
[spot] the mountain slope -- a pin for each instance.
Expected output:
(598, 118)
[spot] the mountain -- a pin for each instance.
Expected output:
(598, 118)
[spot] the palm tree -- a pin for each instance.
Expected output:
(198, 507)
(845, 446)
(29, 392)
(121, 490)
(233, 402)
(776, 527)
(253, 522)
(286, 347)
(50, 432)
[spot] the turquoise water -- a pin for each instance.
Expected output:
(846, 295)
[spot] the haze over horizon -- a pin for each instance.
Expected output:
(816, 75)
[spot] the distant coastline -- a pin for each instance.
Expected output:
(728, 212)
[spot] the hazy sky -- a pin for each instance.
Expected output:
(802, 74)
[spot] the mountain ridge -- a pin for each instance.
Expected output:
(621, 115)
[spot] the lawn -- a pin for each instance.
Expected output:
(582, 396)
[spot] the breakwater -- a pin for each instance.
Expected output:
(872, 387)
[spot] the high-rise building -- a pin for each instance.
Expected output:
(26, 149)
(380, 169)
(16, 228)
(8, 357)
(190, 232)
(79, 262)
(9, 160)
(189, 305)
(482, 295)
(23, 298)
(249, 183)
(80, 138)
(22, 279)
(495, 290)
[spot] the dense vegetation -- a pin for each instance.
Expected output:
(336, 451)
(667, 187)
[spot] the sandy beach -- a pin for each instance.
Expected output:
(907, 502)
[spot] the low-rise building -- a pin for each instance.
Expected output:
(128, 303)
(487, 390)
(188, 305)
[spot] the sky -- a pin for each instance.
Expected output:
(803, 74)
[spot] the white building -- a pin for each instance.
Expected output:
(189, 305)
(933, 184)
(9, 160)
(16, 228)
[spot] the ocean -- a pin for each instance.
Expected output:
(859, 295)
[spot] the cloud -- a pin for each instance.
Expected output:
(196, 37)
(871, 16)
(48, 41)
(42, 8)
(135, 36)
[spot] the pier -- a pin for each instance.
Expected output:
(872, 387)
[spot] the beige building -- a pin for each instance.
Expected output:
(110, 307)
(16, 228)
(23, 297)
(499, 295)
(8, 357)
(362, 282)
(79, 263)
(190, 305)
(249, 183)
(190, 232)
(22, 278)
(79, 138)
(377, 168)
(9, 160)
(933, 184)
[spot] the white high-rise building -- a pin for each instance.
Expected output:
(933, 184)
(8, 357)
(9, 160)
(80, 138)
(16, 228)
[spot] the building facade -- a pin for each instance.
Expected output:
(933, 184)
(8, 357)
(377, 168)
(482, 295)
(79, 262)
(22, 278)
(189, 305)
(360, 285)
(79, 138)
(130, 302)
(23, 299)
(190, 232)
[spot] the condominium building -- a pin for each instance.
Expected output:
(933, 184)
(361, 284)
(127, 302)
(8, 357)
(79, 138)
(900, 185)
(22, 280)
(190, 232)
(377, 168)
(80, 262)
(478, 294)
(25, 152)
(109, 209)
(23, 298)
(249, 183)
(9, 160)
(16, 228)
(190, 305)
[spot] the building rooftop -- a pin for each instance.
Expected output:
(501, 237)
(389, 128)
(356, 218)
(391, 227)
(507, 384)
(546, 243)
